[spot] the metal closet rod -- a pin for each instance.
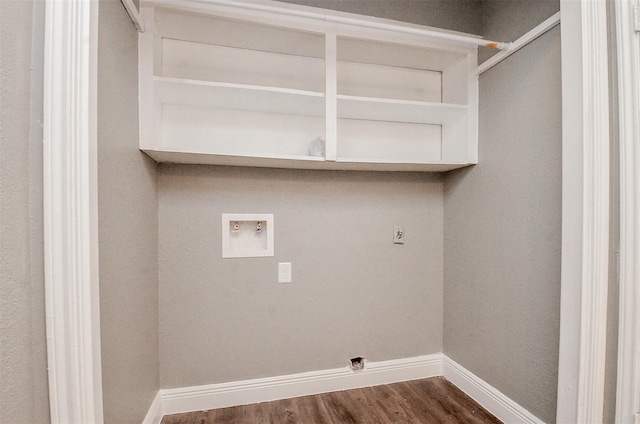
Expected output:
(263, 7)
(534, 33)
(507, 49)
(460, 38)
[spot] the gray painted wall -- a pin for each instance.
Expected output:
(128, 228)
(354, 292)
(456, 15)
(23, 374)
(506, 20)
(503, 228)
(613, 307)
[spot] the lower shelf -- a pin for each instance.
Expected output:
(297, 162)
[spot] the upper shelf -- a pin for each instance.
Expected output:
(376, 109)
(207, 94)
(229, 83)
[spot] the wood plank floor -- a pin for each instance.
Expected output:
(431, 400)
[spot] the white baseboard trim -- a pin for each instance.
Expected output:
(155, 413)
(486, 395)
(211, 396)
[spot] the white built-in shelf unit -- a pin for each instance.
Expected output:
(255, 83)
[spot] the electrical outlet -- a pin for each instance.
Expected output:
(284, 272)
(398, 234)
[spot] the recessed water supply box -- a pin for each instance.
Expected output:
(247, 235)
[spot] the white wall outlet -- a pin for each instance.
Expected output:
(284, 272)
(398, 234)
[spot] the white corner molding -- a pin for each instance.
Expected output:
(493, 400)
(246, 392)
(531, 35)
(134, 14)
(154, 415)
(628, 56)
(70, 212)
(585, 211)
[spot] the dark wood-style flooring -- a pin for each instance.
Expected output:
(431, 400)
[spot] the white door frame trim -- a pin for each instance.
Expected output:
(628, 56)
(70, 211)
(585, 211)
